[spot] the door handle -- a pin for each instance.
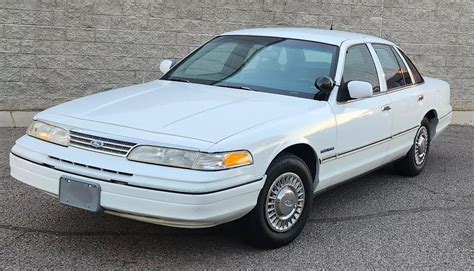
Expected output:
(386, 108)
(421, 97)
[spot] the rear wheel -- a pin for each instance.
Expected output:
(414, 161)
(283, 205)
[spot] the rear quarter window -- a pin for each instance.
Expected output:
(417, 78)
(392, 68)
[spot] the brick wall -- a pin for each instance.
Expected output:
(56, 50)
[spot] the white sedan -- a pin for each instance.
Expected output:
(252, 125)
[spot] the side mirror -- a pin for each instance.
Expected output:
(325, 84)
(359, 89)
(166, 65)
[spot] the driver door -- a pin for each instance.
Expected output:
(363, 125)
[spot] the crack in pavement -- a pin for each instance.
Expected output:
(424, 188)
(67, 233)
(311, 220)
(442, 195)
(89, 233)
(388, 213)
(12, 241)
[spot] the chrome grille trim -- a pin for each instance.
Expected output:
(110, 146)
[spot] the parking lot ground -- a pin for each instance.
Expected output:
(380, 220)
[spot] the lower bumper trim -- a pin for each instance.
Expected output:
(162, 221)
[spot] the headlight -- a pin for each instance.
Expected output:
(190, 159)
(48, 132)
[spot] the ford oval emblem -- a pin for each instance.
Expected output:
(96, 144)
(288, 203)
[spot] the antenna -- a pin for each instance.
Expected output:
(332, 21)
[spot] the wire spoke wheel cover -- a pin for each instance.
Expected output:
(285, 202)
(421, 145)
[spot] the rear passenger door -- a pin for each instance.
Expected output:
(405, 99)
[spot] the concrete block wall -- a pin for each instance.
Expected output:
(52, 51)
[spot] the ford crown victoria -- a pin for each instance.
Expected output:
(249, 126)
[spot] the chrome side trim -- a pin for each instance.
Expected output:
(346, 153)
(370, 145)
(445, 115)
(328, 159)
(405, 131)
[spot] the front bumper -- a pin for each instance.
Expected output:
(187, 209)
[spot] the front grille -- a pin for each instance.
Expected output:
(105, 145)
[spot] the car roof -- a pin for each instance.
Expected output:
(311, 34)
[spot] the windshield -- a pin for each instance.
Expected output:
(267, 64)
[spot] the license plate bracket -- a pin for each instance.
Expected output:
(80, 194)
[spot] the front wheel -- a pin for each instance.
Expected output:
(283, 205)
(414, 161)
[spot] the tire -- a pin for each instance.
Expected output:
(412, 164)
(282, 177)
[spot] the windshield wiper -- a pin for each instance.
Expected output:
(237, 87)
(178, 80)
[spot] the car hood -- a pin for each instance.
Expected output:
(207, 113)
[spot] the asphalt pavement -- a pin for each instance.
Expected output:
(381, 220)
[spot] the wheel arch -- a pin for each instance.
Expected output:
(304, 151)
(432, 117)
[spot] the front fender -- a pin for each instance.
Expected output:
(294, 142)
(316, 129)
